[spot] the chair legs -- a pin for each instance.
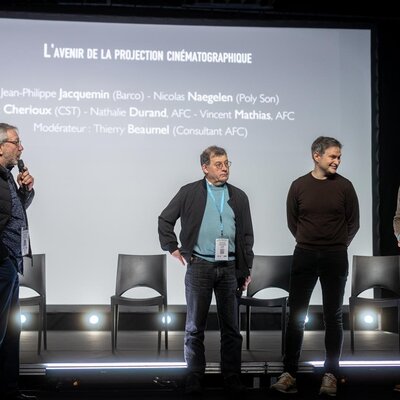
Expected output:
(114, 326)
(42, 326)
(165, 339)
(283, 325)
(248, 324)
(160, 309)
(351, 326)
(164, 312)
(284, 318)
(398, 322)
(166, 326)
(39, 347)
(115, 323)
(352, 323)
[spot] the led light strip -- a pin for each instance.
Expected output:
(182, 365)
(117, 365)
(348, 364)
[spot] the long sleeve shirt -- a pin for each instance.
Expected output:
(322, 213)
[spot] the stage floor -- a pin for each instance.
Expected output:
(141, 346)
(86, 367)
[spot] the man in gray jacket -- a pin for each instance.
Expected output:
(14, 245)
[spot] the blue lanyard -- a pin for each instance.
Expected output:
(221, 209)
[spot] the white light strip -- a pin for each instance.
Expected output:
(347, 364)
(183, 365)
(117, 365)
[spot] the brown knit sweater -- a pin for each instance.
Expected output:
(322, 214)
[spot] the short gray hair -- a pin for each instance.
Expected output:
(322, 143)
(4, 128)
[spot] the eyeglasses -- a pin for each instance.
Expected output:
(219, 164)
(16, 142)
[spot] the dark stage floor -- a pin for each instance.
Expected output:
(124, 375)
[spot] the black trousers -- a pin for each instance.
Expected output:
(10, 326)
(331, 268)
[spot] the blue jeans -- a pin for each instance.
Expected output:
(10, 326)
(331, 267)
(202, 278)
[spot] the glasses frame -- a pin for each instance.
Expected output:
(17, 143)
(220, 165)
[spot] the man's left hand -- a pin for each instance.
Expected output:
(246, 283)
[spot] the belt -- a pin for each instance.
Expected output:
(230, 254)
(214, 263)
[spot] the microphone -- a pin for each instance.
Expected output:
(21, 165)
(21, 168)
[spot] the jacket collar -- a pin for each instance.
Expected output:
(4, 172)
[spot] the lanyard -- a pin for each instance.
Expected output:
(221, 209)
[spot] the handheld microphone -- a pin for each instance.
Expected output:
(21, 168)
(21, 165)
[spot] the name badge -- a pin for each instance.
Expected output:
(221, 249)
(24, 242)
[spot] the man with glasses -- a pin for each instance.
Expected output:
(14, 245)
(216, 245)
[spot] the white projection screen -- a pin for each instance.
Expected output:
(113, 117)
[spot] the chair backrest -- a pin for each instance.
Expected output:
(141, 271)
(375, 272)
(268, 272)
(34, 276)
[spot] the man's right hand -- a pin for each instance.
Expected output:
(177, 254)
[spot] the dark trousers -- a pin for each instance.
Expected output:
(202, 278)
(331, 267)
(10, 326)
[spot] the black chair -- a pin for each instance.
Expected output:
(268, 272)
(34, 278)
(140, 271)
(372, 272)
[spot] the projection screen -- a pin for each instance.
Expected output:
(113, 117)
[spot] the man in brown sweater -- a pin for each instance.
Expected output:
(323, 216)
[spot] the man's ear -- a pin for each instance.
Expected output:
(204, 168)
(316, 156)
